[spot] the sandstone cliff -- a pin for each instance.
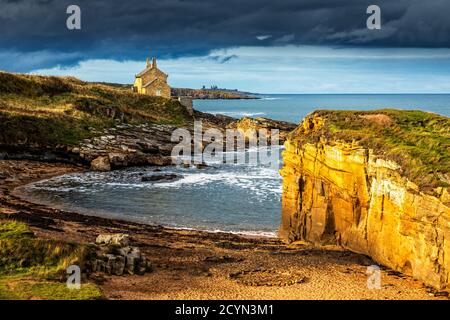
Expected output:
(375, 183)
(247, 125)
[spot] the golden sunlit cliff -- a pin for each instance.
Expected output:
(374, 182)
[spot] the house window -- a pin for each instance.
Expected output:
(158, 92)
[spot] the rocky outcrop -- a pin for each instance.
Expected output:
(116, 257)
(247, 125)
(341, 192)
(161, 177)
(121, 146)
(101, 164)
(128, 145)
(150, 144)
(128, 260)
(117, 239)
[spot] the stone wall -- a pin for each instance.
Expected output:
(341, 193)
(187, 103)
(158, 88)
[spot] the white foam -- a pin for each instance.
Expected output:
(265, 234)
(256, 184)
(237, 114)
(256, 233)
(272, 98)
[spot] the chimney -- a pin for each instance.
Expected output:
(154, 62)
(148, 62)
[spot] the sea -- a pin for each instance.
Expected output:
(223, 197)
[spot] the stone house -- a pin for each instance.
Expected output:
(152, 81)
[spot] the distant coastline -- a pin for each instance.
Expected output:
(213, 94)
(294, 107)
(200, 94)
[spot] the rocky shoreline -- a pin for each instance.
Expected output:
(185, 264)
(200, 265)
(126, 145)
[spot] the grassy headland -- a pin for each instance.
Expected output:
(418, 141)
(38, 110)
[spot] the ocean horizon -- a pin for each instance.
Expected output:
(294, 107)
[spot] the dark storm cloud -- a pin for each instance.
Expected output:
(35, 33)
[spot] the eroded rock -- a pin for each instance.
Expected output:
(160, 177)
(101, 164)
(250, 126)
(118, 239)
(337, 192)
(117, 258)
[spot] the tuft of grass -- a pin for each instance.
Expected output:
(418, 141)
(25, 289)
(36, 268)
(51, 111)
(7, 293)
(42, 257)
(59, 291)
(14, 229)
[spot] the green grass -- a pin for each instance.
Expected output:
(418, 141)
(20, 288)
(13, 229)
(49, 258)
(7, 293)
(34, 267)
(50, 111)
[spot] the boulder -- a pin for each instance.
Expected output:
(125, 260)
(98, 265)
(119, 239)
(249, 126)
(160, 177)
(157, 160)
(115, 265)
(118, 159)
(133, 259)
(101, 164)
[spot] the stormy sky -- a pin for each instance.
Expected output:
(248, 41)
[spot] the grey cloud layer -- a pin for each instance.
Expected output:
(130, 29)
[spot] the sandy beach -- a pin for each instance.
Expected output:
(199, 265)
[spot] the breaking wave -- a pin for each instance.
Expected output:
(236, 198)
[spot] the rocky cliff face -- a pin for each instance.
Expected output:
(127, 145)
(150, 144)
(250, 126)
(344, 193)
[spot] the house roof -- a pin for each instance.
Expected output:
(149, 83)
(140, 74)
